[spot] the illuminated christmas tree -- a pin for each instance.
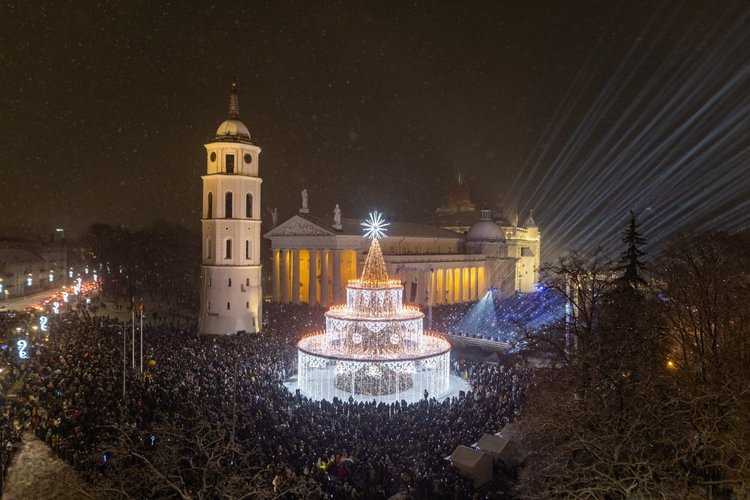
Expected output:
(373, 345)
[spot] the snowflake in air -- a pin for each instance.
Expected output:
(375, 226)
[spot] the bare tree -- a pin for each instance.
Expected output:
(707, 293)
(583, 281)
(655, 402)
(192, 459)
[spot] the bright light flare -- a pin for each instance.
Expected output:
(375, 226)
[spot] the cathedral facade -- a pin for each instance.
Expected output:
(314, 257)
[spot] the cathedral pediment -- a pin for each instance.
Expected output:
(297, 226)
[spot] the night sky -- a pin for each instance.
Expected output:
(581, 110)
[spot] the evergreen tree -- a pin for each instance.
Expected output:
(631, 263)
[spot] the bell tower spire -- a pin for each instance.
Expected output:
(234, 102)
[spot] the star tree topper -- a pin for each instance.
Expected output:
(375, 226)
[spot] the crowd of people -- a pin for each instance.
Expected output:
(349, 449)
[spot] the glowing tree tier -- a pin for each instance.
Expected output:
(373, 345)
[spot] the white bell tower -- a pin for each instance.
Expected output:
(231, 293)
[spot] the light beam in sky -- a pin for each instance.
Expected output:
(666, 136)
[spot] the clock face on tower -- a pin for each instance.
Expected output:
(248, 158)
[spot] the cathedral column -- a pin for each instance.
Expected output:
(472, 285)
(439, 296)
(324, 278)
(336, 276)
(434, 287)
(276, 275)
(312, 278)
(461, 296)
(284, 276)
(460, 285)
(449, 286)
(295, 276)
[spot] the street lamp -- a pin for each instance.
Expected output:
(429, 305)
(122, 327)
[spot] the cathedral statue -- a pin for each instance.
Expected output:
(337, 217)
(274, 216)
(337, 214)
(304, 208)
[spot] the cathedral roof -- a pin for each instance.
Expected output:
(353, 227)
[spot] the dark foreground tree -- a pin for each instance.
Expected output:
(660, 406)
(706, 288)
(193, 459)
(593, 423)
(157, 262)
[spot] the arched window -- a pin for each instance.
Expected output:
(230, 281)
(208, 248)
(248, 253)
(227, 306)
(228, 253)
(228, 205)
(229, 162)
(210, 210)
(249, 206)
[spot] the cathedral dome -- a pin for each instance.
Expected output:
(485, 230)
(233, 129)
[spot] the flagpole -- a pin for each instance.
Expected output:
(132, 347)
(141, 311)
(122, 329)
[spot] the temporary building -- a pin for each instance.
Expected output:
(474, 464)
(500, 447)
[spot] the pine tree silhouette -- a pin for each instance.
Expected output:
(631, 263)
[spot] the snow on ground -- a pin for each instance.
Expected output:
(36, 472)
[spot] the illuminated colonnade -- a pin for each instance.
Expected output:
(320, 276)
(312, 275)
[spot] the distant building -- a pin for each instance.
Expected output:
(30, 266)
(231, 293)
(458, 213)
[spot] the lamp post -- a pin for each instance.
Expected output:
(429, 304)
(132, 346)
(141, 313)
(122, 329)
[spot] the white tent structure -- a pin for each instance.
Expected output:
(474, 464)
(499, 447)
